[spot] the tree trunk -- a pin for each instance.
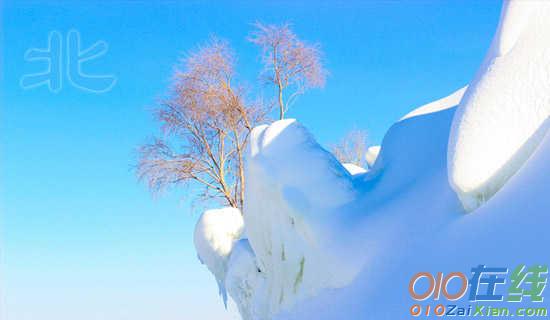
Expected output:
(241, 174)
(281, 104)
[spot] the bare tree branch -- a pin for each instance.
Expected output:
(352, 148)
(289, 63)
(208, 117)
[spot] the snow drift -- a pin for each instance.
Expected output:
(423, 229)
(328, 241)
(354, 169)
(312, 226)
(371, 155)
(449, 101)
(215, 234)
(294, 190)
(245, 282)
(501, 119)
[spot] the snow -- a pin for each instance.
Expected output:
(245, 282)
(315, 229)
(290, 213)
(422, 228)
(354, 169)
(329, 241)
(215, 235)
(402, 201)
(499, 123)
(371, 155)
(449, 101)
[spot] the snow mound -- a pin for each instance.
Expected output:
(500, 120)
(215, 234)
(354, 169)
(427, 232)
(294, 192)
(245, 282)
(449, 101)
(312, 226)
(327, 244)
(371, 155)
(405, 199)
(351, 257)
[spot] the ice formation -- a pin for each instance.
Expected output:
(215, 235)
(500, 121)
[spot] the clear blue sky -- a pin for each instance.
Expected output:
(80, 238)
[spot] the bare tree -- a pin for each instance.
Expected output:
(352, 148)
(290, 64)
(206, 117)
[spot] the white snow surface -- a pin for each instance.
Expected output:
(371, 155)
(245, 282)
(322, 243)
(500, 120)
(372, 231)
(294, 189)
(314, 227)
(399, 219)
(422, 227)
(215, 234)
(449, 101)
(354, 169)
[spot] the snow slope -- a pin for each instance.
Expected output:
(427, 232)
(328, 245)
(313, 227)
(324, 243)
(500, 120)
(449, 101)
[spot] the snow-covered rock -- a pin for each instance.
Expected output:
(215, 234)
(500, 121)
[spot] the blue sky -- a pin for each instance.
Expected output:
(80, 238)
